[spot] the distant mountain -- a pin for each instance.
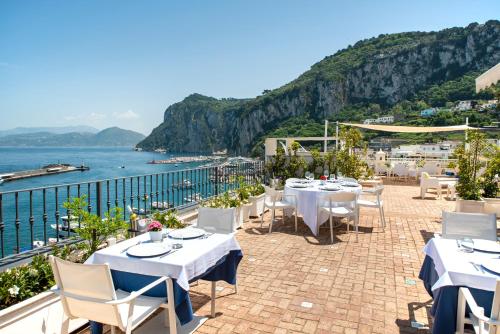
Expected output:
(108, 137)
(394, 74)
(53, 130)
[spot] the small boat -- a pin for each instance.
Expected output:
(38, 244)
(161, 205)
(122, 167)
(73, 226)
(195, 198)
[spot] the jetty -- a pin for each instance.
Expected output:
(45, 170)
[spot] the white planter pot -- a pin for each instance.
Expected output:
(257, 205)
(245, 211)
(492, 205)
(469, 206)
(40, 314)
(238, 217)
(155, 236)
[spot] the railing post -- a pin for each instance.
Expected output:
(98, 195)
(216, 181)
(2, 226)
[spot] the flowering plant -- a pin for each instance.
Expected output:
(155, 226)
(25, 281)
(323, 177)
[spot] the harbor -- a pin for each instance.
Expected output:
(185, 159)
(50, 169)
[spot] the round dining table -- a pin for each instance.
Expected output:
(309, 194)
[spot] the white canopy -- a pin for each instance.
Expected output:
(411, 129)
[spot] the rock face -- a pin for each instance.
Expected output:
(385, 70)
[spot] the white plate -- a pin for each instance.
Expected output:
(492, 265)
(486, 246)
(149, 249)
(187, 233)
(329, 188)
(299, 185)
(350, 184)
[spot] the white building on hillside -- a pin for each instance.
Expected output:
(439, 151)
(383, 119)
(464, 106)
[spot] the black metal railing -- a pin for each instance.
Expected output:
(33, 219)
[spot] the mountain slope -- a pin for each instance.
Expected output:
(107, 137)
(385, 70)
(53, 129)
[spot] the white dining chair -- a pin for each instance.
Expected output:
(217, 220)
(458, 225)
(476, 317)
(275, 200)
(375, 203)
(401, 171)
(87, 291)
(340, 204)
(431, 182)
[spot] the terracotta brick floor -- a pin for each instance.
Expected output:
(297, 283)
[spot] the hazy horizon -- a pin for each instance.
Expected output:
(122, 63)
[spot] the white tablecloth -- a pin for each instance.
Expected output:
(457, 268)
(307, 202)
(194, 259)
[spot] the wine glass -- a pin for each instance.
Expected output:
(467, 245)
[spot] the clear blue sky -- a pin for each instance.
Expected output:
(105, 63)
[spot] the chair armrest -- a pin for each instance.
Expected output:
(475, 309)
(135, 294)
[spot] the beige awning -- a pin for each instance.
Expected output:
(411, 129)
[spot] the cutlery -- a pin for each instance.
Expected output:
(478, 268)
(172, 251)
(205, 236)
(126, 249)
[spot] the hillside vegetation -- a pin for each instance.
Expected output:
(395, 74)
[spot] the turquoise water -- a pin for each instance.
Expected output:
(104, 163)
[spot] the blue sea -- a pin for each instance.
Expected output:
(104, 162)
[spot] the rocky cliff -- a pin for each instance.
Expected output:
(384, 70)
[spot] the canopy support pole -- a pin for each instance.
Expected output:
(326, 136)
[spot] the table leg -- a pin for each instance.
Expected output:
(212, 307)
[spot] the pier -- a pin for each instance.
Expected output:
(45, 170)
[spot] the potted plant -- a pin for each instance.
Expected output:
(227, 201)
(257, 197)
(469, 183)
(451, 168)
(243, 194)
(95, 230)
(26, 303)
(155, 231)
(168, 219)
(490, 182)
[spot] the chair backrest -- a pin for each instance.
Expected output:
(85, 288)
(457, 225)
(401, 169)
(217, 220)
(345, 198)
(272, 193)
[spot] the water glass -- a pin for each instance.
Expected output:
(467, 245)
